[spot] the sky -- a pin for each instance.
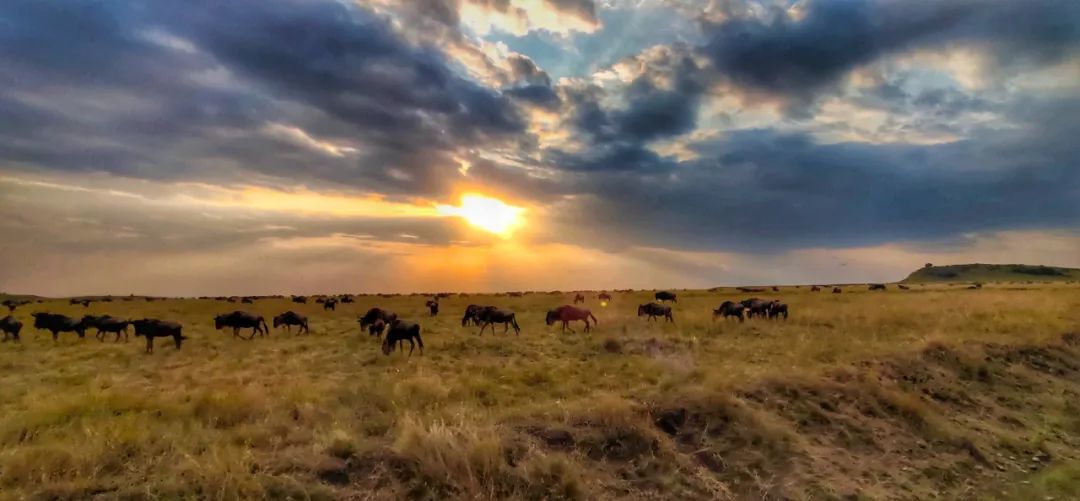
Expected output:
(309, 146)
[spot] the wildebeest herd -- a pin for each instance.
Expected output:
(376, 321)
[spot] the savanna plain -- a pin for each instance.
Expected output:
(938, 392)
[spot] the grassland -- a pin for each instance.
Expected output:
(1002, 273)
(936, 392)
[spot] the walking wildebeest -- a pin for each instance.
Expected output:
(567, 314)
(491, 316)
(604, 296)
(729, 309)
(578, 298)
(653, 310)
(401, 331)
(432, 306)
(374, 314)
(151, 328)
(56, 323)
(777, 309)
(106, 323)
(299, 299)
(242, 320)
(472, 312)
(11, 327)
(291, 318)
(665, 296)
(836, 290)
(876, 287)
(330, 304)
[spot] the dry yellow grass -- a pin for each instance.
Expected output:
(327, 415)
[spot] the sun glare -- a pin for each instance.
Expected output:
(486, 213)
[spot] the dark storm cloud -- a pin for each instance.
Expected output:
(165, 89)
(798, 59)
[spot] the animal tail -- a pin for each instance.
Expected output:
(595, 321)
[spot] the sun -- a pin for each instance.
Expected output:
(488, 214)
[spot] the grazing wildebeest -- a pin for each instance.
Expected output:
(654, 310)
(604, 296)
(377, 314)
(401, 331)
(376, 328)
(876, 287)
(106, 323)
(567, 314)
(151, 328)
(242, 320)
(291, 318)
(11, 327)
(777, 309)
(491, 316)
(902, 287)
(578, 298)
(330, 304)
(472, 312)
(299, 299)
(666, 296)
(756, 307)
(56, 323)
(432, 306)
(815, 289)
(836, 290)
(729, 309)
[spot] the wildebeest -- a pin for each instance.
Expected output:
(247, 300)
(579, 298)
(346, 299)
(432, 306)
(472, 313)
(653, 310)
(567, 314)
(12, 304)
(902, 287)
(151, 328)
(815, 289)
(330, 304)
(299, 299)
(836, 290)
(604, 296)
(106, 323)
(729, 309)
(666, 296)
(57, 323)
(876, 287)
(777, 309)
(376, 328)
(756, 307)
(291, 318)
(11, 327)
(775, 289)
(401, 331)
(242, 320)
(84, 302)
(491, 316)
(377, 314)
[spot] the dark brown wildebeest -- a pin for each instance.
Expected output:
(815, 289)
(374, 314)
(653, 310)
(399, 332)
(299, 299)
(247, 300)
(729, 309)
(472, 312)
(151, 328)
(84, 302)
(291, 318)
(775, 289)
(242, 320)
(578, 298)
(777, 309)
(756, 307)
(876, 287)
(432, 306)
(836, 290)
(376, 328)
(346, 299)
(567, 314)
(603, 296)
(106, 323)
(491, 316)
(11, 327)
(666, 296)
(56, 323)
(330, 304)
(902, 287)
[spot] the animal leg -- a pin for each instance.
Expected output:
(412, 346)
